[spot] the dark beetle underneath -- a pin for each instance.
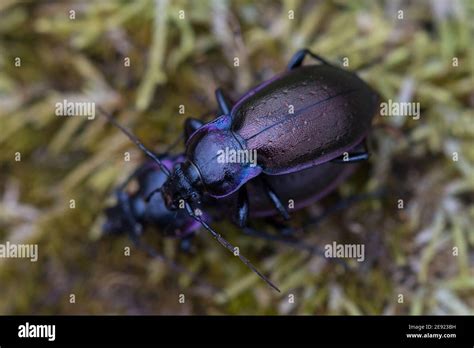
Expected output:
(132, 213)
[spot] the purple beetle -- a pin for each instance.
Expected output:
(300, 119)
(304, 117)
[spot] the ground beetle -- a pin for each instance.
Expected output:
(307, 116)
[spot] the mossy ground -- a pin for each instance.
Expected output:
(176, 62)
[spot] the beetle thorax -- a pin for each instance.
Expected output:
(222, 160)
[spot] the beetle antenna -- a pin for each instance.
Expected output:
(228, 246)
(135, 140)
(134, 230)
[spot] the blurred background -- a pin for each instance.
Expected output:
(179, 52)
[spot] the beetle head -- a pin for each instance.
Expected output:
(184, 185)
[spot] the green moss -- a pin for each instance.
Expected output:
(176, 62)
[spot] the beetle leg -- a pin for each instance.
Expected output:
(360, 154)
(223, 102)
(274, 198)
(299, 56)
(134, 228)
(191, 125)
(352, 157)
(242, 212)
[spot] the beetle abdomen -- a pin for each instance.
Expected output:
(304, 117)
